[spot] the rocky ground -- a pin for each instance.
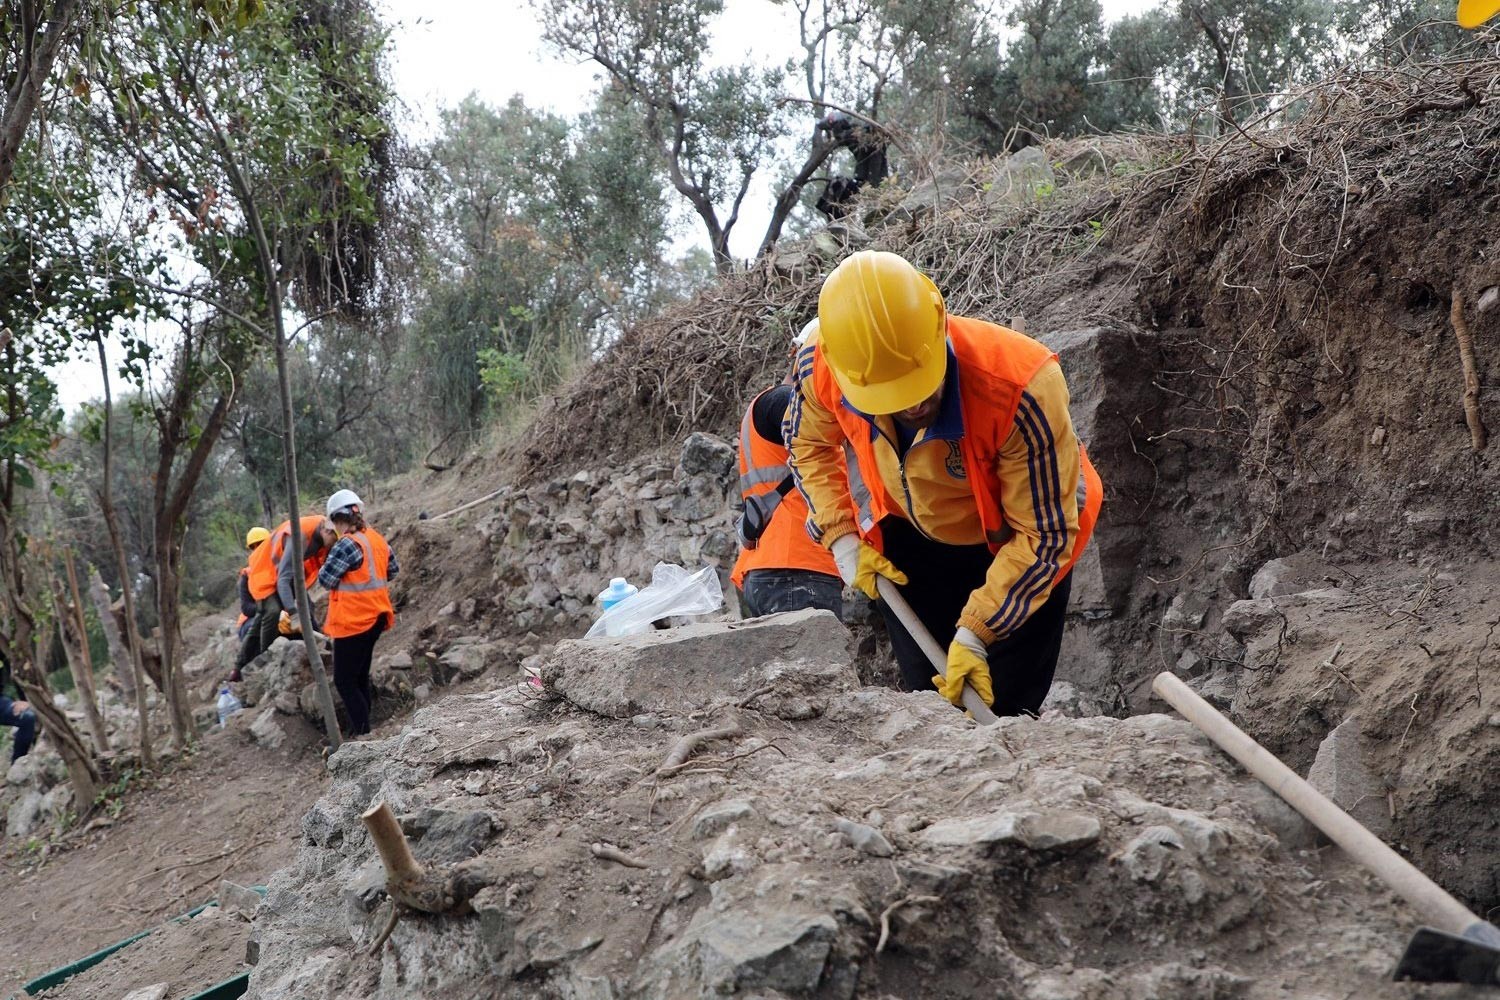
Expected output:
(843, 841)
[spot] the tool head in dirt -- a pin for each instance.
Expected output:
(1434, 956)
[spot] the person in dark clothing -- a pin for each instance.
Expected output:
(781, 569)
(16, 712)
(866, 142)
(249, 610)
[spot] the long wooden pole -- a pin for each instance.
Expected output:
(1445, 912)
(935, 653)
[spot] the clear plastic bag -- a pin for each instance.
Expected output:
(672, 591)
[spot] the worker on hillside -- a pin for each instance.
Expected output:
(357, 577)
(779, 567)
(271, 582)
(980, 496)
(16, 712)
(1473, 13)
(254, 538)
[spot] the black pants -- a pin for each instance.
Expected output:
(351, 675)
(941, 579)
(266, 630)
(768, 591)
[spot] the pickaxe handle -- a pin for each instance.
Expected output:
(939, 656)
(1425, 895)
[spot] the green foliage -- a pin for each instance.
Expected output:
(548, 239)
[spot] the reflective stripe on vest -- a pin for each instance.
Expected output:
(362, 596)
(376, 581)
(757, 475)
(785, 543)
(859, 492)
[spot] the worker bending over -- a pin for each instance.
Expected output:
(254, 539)
(272, 583)
(781, 568)
(980, 495)
(357, 576)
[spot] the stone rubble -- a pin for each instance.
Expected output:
(849, 842)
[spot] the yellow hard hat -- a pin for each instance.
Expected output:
(1473, 13)
(255, 536)
(881, 324)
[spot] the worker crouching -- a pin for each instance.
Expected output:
(780, 568)
(357, 576)
(980, 497)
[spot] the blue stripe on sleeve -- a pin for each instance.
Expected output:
(1046, 494)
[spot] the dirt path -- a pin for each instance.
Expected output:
(233, 811)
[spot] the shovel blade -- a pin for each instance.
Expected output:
(1434, 956)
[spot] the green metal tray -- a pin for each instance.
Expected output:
(229, 989)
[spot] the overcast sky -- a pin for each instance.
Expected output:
(442, 50)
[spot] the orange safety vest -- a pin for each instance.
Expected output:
(267, 556)
(363, 595)
(995, 365)
(785, 544)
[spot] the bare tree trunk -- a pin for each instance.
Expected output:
(83, 772)
(118, 653)
(38, 53)
(304, 606)
(107, 504)
(74, 652)
(167, 586)
(85, 677)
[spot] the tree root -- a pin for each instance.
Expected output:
(385, 932)
(684, 747)
(609, 852)
(885, 917)
(1478, 436)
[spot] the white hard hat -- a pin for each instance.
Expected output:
(342, 500)
(806, 333)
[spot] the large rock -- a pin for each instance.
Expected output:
(684, 669)
(704, 453)
(1022, 177)
(283, 667)
(1291, 574)
(1110, 402)
(1340, 772)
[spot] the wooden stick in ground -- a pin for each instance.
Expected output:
(1477, 433)
(408, 883)
(1425, 896)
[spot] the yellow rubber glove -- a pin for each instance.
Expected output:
(860, 562)
(966, 663)
(287, 625)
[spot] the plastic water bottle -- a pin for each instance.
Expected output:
(617, 591)
(228, 704)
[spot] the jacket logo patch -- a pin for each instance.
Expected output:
(955, 461)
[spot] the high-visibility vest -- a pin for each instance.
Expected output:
(995, 365)
(785, 544)
(267, 556)
(362, 596)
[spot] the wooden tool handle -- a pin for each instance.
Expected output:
(1441, 909)
(395, 853)
(939, 656)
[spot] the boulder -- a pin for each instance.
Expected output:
(1246, 619)
(1340, 772)
(683, 669)
(1022, 177)
(704, 453)
(464, 660)
(283, 667)
(267, 731)
(1291, 574)
(1112, 407)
